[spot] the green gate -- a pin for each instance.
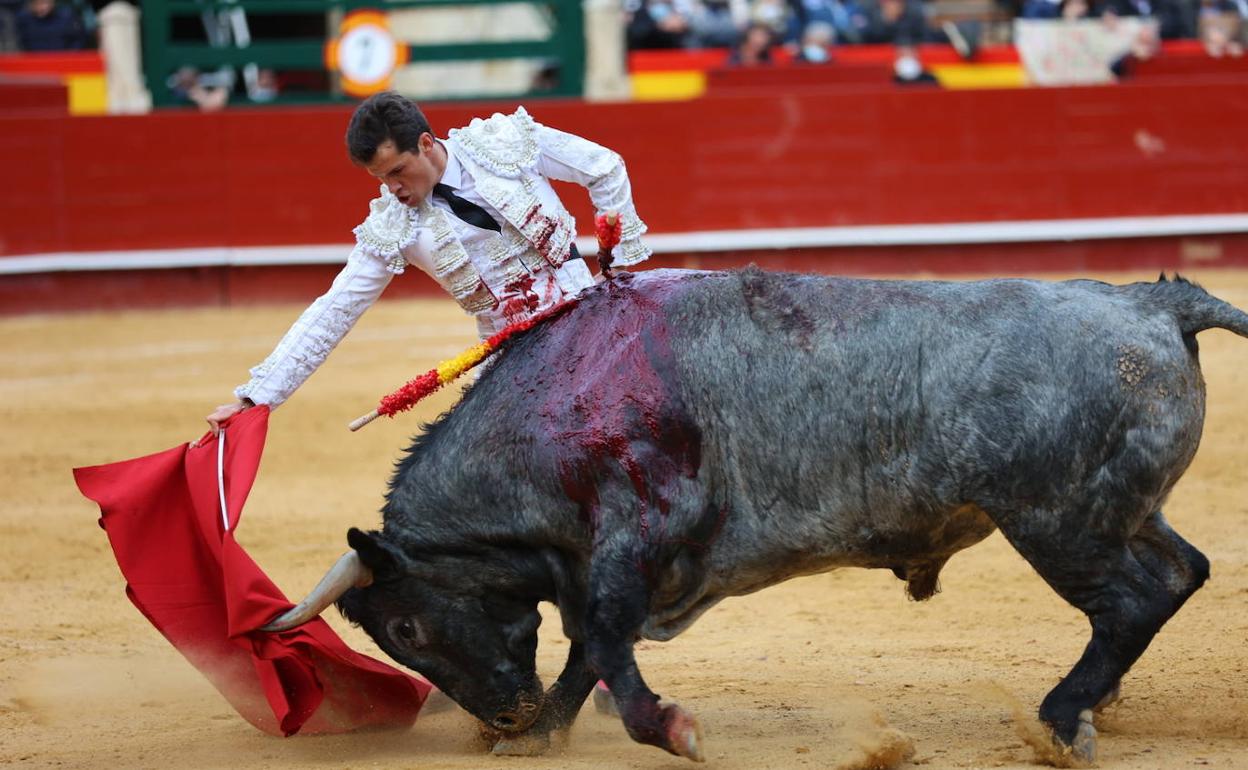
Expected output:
(162, 55)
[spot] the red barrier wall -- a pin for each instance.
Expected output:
(33, 94)
(805, 157)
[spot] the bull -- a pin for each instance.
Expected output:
(679, 437)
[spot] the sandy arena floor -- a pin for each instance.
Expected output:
(832, 671)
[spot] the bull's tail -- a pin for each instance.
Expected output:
(1194, 308)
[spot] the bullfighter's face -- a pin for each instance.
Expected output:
(457, 627)
(410, 174)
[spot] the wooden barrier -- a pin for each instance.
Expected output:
(29, 81)
(33, 94)
(809, 157)
(813, 158)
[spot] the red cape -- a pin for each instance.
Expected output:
(188, 576)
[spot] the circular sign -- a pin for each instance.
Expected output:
(365, 53)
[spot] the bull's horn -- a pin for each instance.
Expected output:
(348, 572)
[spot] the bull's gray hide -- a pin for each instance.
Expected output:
(681, 437)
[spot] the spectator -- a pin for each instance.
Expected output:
(775, 14)
(840, 14)
(1174, 16)
(904, 23)
(44, 26)
(1145, 45)
(208, 91)
(817, 40)
(755, 46)
(1056, 9)
(659, 24)
(901, 22)
(722, 23)
(1075, 9)
(908, 70)
(1123, 7)
(1171, 15)
(8, 24)
(1146, 41)
(1221, 24)
(1011, 9)
(718, 23)
(267, 87)
(1177, 18)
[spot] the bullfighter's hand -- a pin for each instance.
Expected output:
(223, 413)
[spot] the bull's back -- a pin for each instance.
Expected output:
(849, 421)
(817, 421)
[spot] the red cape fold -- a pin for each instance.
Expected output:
(196, 584)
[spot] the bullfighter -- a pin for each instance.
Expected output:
(475, 211)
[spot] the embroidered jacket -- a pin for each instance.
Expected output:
(497, 277)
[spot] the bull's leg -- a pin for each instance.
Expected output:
(618, 605)
(1180, 568)
(562, 703)
(1122, 588)
(1176, 563)
(566, 696)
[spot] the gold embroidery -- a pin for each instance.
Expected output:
(451, 266)
(501, 256)
(480, 300)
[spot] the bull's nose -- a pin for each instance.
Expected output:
(507, 721)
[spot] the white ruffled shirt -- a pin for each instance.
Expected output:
(328, 319)
(548, 286)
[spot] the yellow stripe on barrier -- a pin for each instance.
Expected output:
(668, 86)
(980, 75)
(88, 94)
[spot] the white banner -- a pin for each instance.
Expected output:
(1060, 52)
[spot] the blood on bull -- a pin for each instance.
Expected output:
(680, 437)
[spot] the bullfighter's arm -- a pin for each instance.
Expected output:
(318, 330)
(570, 158)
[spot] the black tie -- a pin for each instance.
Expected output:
(466, 210)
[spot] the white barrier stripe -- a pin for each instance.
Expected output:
(225, 515)
(149, 259)
(950, 233)
(955, 233)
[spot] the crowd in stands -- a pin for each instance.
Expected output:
(1176, 18)
(46, 25)
(725, 23)
(68, 25)
(810, 28)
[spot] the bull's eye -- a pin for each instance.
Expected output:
(408, 631)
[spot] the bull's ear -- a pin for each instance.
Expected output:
(379, 555)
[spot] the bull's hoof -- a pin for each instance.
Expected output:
(1083, 747)
(1080, 752)
(1110, 698)
(522, 745)
(684, 734)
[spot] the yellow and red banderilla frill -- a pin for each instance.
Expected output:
(608, 231)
